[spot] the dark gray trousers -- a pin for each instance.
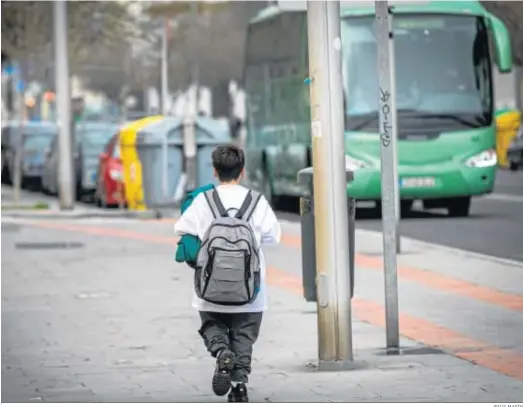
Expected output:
(236, 332)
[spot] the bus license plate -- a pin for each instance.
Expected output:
(418, 182)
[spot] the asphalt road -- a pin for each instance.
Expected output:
(508, 182)
(495, 226)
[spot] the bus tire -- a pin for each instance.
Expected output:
(513, 166)
(406, 207)
(459, 207)
(268, 191)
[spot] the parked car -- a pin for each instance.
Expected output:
(515, 151)
(37, 136)
(109, 185)
(5, 146)
(90, 139)
(50, 171)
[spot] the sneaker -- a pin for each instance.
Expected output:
(221, 381)
(238, 394)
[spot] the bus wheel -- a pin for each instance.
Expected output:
(267, 191)
(406, 207)
(513, 166)
(459, 207)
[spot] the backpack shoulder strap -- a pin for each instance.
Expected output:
(248, 206)
(213, 199)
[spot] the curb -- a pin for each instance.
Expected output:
(423, 245)
(42, 214)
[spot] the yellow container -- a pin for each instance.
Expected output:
(507, 125)
(131, 165)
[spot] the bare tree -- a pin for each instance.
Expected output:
(25, 27)
(97, 31)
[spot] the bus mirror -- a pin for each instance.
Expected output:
(502, 44)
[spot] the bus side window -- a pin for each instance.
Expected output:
(482, 67)
(306, 102)
(254, 88)
(304, 48)
(305, 64)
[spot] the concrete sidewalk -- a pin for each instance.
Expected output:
(36, 205)
(96, 313)
(28, 200)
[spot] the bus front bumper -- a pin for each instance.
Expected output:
(416, 183)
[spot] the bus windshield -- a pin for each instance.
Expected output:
(443, 69)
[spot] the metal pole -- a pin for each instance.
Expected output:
(165, 56)
(18, 104)
(63, 98)
(329, 179)
(387, 130)
(165, 95)
(190, 147)
(518, 72)
(196, 65)
(395, 136)
(190, 150)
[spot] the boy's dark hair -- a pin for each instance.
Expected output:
(228, 160)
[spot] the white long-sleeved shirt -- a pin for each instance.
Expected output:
(197, 219)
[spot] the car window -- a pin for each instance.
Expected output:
(110, 146)
(113, 147)
(116, 150)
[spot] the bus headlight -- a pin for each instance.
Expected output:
(352, 164)
(487, 158)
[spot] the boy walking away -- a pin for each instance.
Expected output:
(230, 283)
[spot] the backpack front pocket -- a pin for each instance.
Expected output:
(227, 278)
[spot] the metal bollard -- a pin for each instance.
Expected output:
(351, 207)
(308, 235)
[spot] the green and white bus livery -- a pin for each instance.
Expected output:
(444, 55)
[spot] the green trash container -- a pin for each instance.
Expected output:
(160, 150)
(209, 134)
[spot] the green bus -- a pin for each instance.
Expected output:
(444, 51)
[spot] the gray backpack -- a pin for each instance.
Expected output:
(228, 263)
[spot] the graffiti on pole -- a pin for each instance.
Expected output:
(385, 134)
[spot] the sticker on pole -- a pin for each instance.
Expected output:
(337, 43)
(316, 129)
